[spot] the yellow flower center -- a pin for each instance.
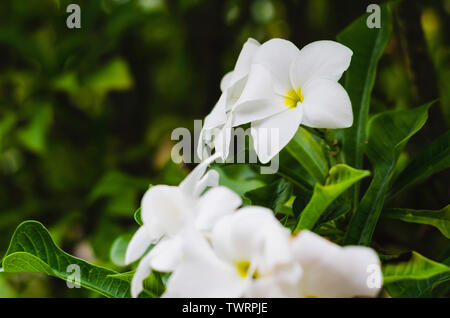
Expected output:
(293, 97)
(243, 268)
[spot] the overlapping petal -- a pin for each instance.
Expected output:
(252, 234)
(333, 271)
(202, 274)
(320, 60)
(326, 105)
(276, 56)
(272, 134)
(259, 99)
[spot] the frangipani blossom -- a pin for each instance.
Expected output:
(249, 255)
(166, 209)
(330, 270)
(216, 131)
(287, 87)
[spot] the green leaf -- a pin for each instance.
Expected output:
(113, 76)
(337, 208)
(437, 218)
(272, 196)
(34, 135)
(32, 250)
(434, 158)
(433, 287)
(368, 46)
(119, 249)
(416, 277)
(309, 153)
(153, 285)
(387, 132)
(240, 178)
(138, 217)
(7, 122)
(416, 267)
(290, 170)
(340, 178)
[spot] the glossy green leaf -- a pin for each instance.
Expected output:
(272, 196)
(434, 158)
(437, 218)
(32, 250)
(417, 276)
(138, 217)
(388, 132)
(416, 267)
(340, 178)
(119, 249)
(433, 287)
(368, 46)
(153, 285)
(309, 153)
(290, 170)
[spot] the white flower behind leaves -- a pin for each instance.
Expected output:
(287, 87)
(216, 131)
(249, 256)
(332, 271)
(166, 210)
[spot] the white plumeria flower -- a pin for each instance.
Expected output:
(165, 211)
(287, 87)
(216, 131)
(249, 255)
(331, 271)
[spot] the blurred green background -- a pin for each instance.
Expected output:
(86, 114)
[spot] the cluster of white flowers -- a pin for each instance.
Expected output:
(277, 86)
(198, 230)
(214, 248)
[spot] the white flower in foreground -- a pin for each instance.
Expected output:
(249, 255)
(216, 131)
(330, 270)
(166, 209)
(287, 87)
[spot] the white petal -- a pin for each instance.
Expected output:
(189, 185)
(244, 60)
(320, 60)
(139, 243)
(326, 105)
(277, 55)
(333, 271)
(212, 125)
(218, 115)
(283, 283)
(234, 82)
(213, 205)
(272, 134)
(167, 254)
(258, 100)
(226, 80)
(210, 179)
(163, 207)
(223, 139)
(142, 272)
(202, 274)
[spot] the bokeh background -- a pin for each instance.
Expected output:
(86, 114)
